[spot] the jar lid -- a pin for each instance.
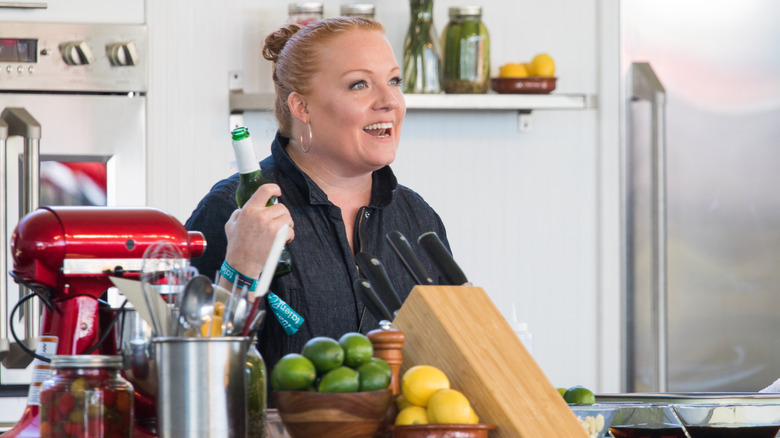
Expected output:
(86, 361)
(358, 8)
(307, 7)
(466, 11)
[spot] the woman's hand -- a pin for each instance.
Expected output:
(251, 231)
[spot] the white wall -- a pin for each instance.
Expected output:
(521, 208)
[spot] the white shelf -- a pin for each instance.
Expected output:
(240, 102)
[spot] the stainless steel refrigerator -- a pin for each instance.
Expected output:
(701, 194)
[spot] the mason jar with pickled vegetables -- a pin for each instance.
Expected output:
(86, 396)
(466, 47)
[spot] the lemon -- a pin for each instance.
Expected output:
(412, 415)
(402, 403)
(513, 70)
(473, 419)
(293, 372)
(325, 353)
(357, 349)
(542, 65)
(450, 406)
(579, 395)
(420, 382)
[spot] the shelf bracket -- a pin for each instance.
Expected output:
(524, 120)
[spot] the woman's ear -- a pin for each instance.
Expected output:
(297, 105)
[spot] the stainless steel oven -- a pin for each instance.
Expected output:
(72, 131)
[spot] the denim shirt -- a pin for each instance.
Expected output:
(320, 286)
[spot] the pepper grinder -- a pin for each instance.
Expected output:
(387, 343)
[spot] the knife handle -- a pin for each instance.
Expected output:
(440, 256)
(408, 257)
(371, 300)
(375, 272)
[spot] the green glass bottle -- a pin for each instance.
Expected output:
(250, 178)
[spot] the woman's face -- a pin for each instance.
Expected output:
(355, 104)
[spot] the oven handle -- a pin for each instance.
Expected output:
(19, 122)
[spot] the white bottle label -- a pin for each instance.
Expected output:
(41, 371)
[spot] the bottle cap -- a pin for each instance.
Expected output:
(465, 11)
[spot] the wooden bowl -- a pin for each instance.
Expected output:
(529, 85)
(317, 414)
(442, 431)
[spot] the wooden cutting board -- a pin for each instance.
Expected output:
(460, 331)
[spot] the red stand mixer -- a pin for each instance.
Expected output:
(66, 256)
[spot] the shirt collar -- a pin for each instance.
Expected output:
(383, 187)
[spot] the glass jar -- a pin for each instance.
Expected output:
(86, 396)
(304, 13)
(466, 52)
(364, 10)
(256, 393)
(422, 51)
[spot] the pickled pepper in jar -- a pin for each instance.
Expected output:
(466, 46)
(86, 397)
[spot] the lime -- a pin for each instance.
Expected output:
(562, 391)
(325, 353)
(357, 349)
(341, 379)
(293, 372)
(372, 377)
(579, 395)
(382, 364)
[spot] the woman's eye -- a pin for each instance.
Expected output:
(396, 81)
(359, 85)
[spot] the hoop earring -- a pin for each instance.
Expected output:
(303, 148)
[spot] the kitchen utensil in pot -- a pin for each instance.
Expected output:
(267, 275)
(197, 302)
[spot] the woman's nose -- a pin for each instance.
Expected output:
(388, 98)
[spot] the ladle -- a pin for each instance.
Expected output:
(197, 304)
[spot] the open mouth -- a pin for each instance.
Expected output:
(379, 129)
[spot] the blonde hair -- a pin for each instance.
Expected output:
(293, 50)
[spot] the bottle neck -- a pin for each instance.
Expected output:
(421, 9)
(245, 156)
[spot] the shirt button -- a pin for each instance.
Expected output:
(367, 214)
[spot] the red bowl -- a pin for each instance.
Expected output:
(529, 85)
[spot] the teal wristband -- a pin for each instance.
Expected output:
(237, 278)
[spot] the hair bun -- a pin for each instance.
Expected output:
(274, 43)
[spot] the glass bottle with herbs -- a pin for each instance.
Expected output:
(466, 52)
(422, 52)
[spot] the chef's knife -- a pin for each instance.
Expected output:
(375, 272)
(371, 300)
(439, 254)
(405, 252)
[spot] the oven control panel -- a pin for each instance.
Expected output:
(85, 57)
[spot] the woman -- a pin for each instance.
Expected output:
(340, 111)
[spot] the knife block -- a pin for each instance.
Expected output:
(460, 331)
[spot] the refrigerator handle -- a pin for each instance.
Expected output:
(18, 121)
(647, 86)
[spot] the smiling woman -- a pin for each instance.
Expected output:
(340, 111)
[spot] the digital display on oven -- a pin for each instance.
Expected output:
(18, 50)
